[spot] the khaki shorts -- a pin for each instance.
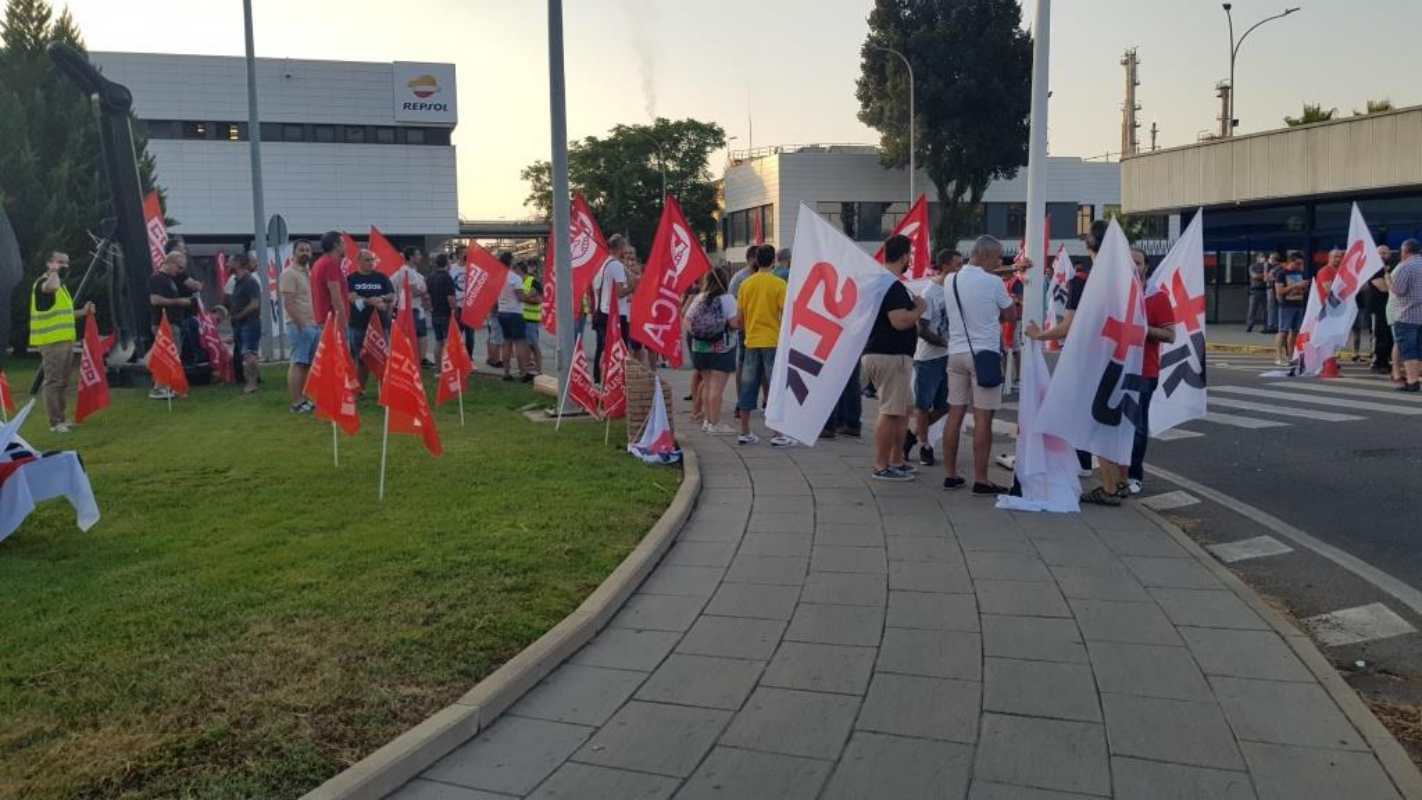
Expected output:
(890, 376)
(963, 388)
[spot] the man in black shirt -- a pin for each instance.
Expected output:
(371, 293)
(888, 364)
(1377, 307)
(165, 296)
(442, 297)
(245, 312)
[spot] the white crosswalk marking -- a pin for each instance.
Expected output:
(1236, 421)
(1359, 405)
(1283, 411)
(1382, 383)
(1383, 394)
(1174, 434)
(1257, 547)
(1361, 624)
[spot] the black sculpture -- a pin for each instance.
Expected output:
(11, 271)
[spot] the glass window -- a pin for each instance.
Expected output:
(870, 222)
(271, 131)
(414, 136)
(293, 133)
(235, 131)
(385, 135)
(1085, 215)
(355, 134)
(323, 133)
(832, 212)
(1016, 220)
(196, 130)
(155, 129)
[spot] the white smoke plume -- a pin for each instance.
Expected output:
(642, 19)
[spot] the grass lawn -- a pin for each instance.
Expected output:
(246, 620)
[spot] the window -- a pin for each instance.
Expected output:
(293, 133)
(196, 130)
(1085, 215)
(385, 135)
(324, 133)
(271, 131)
(832, 212)
(355, 134)
(235, 131)
(1016, 220)
(414, 136)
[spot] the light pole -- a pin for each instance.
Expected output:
(562, 246)
(254, 139)
(1234, 51)
(909, 66)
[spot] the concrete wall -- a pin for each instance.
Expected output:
(1378, 151)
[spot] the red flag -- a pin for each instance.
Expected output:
(406, 315)
(757, 229)
(614, 364)
(459, 357)
(915, 226)
(7, 399)
(163, 361)
(403, 394)
(93, 378)
(675, 262)
(484, 277)
(348, 258)
(581, 389)
(157, 229)
(330, 384)
(548, 313)
(454, 366)
(222, 275)
(217, 355)
(375, 350)
(387, 259)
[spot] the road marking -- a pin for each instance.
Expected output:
(1375, 394)
(1283, 411)
(1169, 500)
(1172, 434)
(1237, 421)
(1361, 624)
(1402, 592)
(1358, 405)
(1257, 547)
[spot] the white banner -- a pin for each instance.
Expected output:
(1094, 399)
(1062, 272)
(1181, 394)
(834, 295)
(1328, 319)
(1045, 466)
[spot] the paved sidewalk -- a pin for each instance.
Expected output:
(815, 634)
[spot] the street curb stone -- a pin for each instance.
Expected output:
(1390, 754)
(410, 753)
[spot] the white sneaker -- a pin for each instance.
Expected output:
(159, 393)
(60, 428)
(721, 429)
(1134, 486)
(782, 441)
(747, 438)
(1083, 473)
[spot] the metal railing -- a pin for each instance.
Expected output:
(815, 147)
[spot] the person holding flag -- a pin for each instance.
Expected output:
(164, 297)
(1291, 289)
(613, 273)
(1160, 327)
(329, 288)
(53, 332)
(371, 294)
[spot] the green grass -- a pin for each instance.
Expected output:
(246, 620)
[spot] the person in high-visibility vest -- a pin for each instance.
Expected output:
(53, 333)
(532, 309)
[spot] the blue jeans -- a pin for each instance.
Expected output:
(847, 412)
(758, 365)
(247, 335)
(1138, 448)
(1408, 338)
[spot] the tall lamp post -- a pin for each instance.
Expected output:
(254, 140)
(909, 66)
(1234, 51)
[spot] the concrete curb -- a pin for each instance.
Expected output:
(1394, 759)
(410, 753)
(1255, 349)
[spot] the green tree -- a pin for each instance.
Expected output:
(972, 66)
(1311, 113)
(1374, 107)
(51, 173)
(621, 177)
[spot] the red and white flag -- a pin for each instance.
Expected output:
(1045, 466)
(211, 340)
(589, 253)
(1062, 272)
(484, 278)
(7, 398)
(221, 261)
(388, 259)
(1328, 318)
(656, 445)
(402, 392)
(1180, 396)
(614, 364)
(164, 363)
(1093, 401)
(675, 262)
(348, 256)
(455, 366)
(331, 384)
(757, 228)
(834, 295)
(157, 228)
(581, 389)
(914, 225)
(375, 350)
(28, 478)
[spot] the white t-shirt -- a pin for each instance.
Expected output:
(612, 271)
(933, 315)
(508, 301)
(418, 291)
(984, 297)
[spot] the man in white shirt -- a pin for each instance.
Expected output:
(510, 323)
(930, 359)
(976, 303)
(409, 272)
(613, 273)
(459, 273)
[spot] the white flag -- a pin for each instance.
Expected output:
(1045, 465)
(1181, 394)
(657, 445)
(1094, 398)
(1328, 319)
(1062, 272)
(833, 298)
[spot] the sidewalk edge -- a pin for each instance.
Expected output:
(1395, 762)
(407, 755)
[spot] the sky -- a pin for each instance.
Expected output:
(783, 71)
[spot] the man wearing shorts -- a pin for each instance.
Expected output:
(244, 307)
(977, 303)
(303, 330)
(1291, 291)
(888, 363)
(510, 321)
(930, 371)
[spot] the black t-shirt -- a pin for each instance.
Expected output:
(885, 339)
(163, 285)
(1376, 300)
(361, 286)
(1076, 286)
(244, 292)
(1289, 278)
(440, 287)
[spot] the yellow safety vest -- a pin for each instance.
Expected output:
(54, 325)
(532, 312)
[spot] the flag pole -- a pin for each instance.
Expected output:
(384, 448)
(335, 445)
(562, 401)
(169, 393)
(461, 403)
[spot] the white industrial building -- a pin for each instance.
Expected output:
(345, 145)
(847, 185)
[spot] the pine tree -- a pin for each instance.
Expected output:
(52, 184)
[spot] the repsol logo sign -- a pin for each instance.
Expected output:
(413, 106)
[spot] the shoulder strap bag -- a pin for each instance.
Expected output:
(987, 365)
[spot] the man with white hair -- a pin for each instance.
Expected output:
(781, 269)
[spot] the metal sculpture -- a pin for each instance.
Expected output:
(12, 270)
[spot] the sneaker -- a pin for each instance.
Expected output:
(509, 378)
(988, 489)
(853, 433)
(528, 377)
(890, 474)
(781, 441)
(747, 438)
(909, 441)
(60, 428)
(306, 407)
(925, 456)
(869, 392)
(294, 408)
(1083, 473)
(905, 467)
(1279, 362)
(721, 429)
(953, 482)
(687, 399)
(1410, 387)
(1133, 486)
(827, 433)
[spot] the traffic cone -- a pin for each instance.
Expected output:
(1330, 368)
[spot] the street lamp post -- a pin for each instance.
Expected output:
(254, 140)
(1234, 51)
(909, 66)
